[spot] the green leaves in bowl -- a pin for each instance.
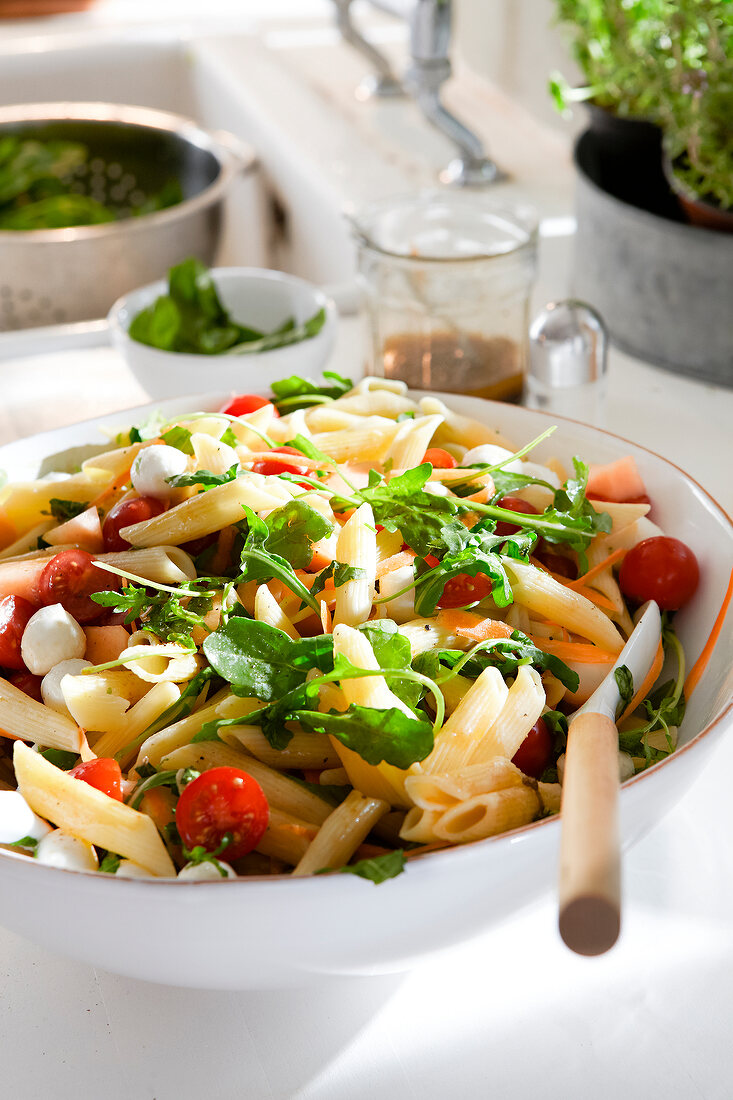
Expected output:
(191, 318)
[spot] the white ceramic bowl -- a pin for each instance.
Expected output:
(253, 296)
(264, 933)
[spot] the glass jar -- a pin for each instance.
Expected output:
(447, 278)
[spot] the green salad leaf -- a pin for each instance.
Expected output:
(300, 393)
(262, 662)
(62, 510)
(374, 734)
(191, 318)
(377, 869)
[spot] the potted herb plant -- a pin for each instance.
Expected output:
(658, 75)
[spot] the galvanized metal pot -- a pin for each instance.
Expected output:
(49, 276)
(664, 288)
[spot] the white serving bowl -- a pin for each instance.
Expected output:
(253, 296)
(264, 933)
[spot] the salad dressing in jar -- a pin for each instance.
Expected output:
(446, 279)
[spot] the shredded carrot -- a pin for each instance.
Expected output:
(617, 555)
(649, 681)
(486, 628)
(436, 846)
(452, 620)
(397, 561)
(370, 851)
(595, 597)
(311, 775)
(701, 663)
(157, 805)
(583, 652)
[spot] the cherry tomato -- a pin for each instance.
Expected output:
(124, 514)
(273, 466)
(462, 589)
(557, 563)
(104, 774)
(661, 569)
(70, 578)
(439, 459)
(513, 504)
(220, 801)
(243, 403)
(15, 611)
(535, 752)
(28, 683)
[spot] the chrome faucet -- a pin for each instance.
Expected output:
(430, 31)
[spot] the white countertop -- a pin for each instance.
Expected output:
(511, 1015)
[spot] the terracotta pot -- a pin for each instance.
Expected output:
(27, 9)
(697, 211)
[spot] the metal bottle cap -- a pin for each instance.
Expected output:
(568, 346)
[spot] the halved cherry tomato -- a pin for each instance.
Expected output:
(70, 578)
(15, 611)
(662, 569)
(462, 589)
(439, 459)
(123, 514)
(271, 467)
(535, 752)
(243, 403)
(104, 774)
(28, 683)
(220, 801)
(513, 504)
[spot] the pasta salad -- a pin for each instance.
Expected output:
(328, 631)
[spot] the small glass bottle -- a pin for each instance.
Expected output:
(446, 279)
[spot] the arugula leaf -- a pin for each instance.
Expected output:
(300, 393)
(164, 615)
(27, 842)
(392, 651)
(286, 334)
(376, 735)
(340, 572)
(110, 864)
(294, 528)
(60, 758)
(229, 437)
(376, 870)
(478, 555)
(62, 510)
(260, 661)
(625, 683)
(506, 654)
(180, 438)
(403, 505)
(158, 779)
(260, 564)
(309, 449)
(205, 478)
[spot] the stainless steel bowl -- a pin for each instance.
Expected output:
(48, 276)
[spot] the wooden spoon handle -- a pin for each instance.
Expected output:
(590, 886)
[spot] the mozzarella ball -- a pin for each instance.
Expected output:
(17, 819)
(128, 869)
(51, 636)
(152, 467)
(51, 683)
(60, 849)
(493, 454)
(208, 871)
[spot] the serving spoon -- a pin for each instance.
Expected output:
(590, 878)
